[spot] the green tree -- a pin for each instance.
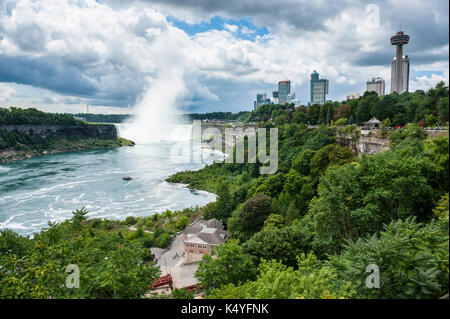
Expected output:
(283, 244)
(110, 266)
(231, 265)
(443, 109)
(412, 260)
(365, 105)
(224, 202)
(181, 294)
(277, 281)
(250, 218)
(431, 120)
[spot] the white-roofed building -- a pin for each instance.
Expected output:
(202, 237)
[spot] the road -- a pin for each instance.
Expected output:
(171, 261)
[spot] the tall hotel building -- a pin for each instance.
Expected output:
(284, 89)
(377, 85)
(319, 89)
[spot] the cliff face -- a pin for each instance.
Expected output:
(51, 139)
(100, 131)
(364, 145)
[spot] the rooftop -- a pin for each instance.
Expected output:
(206, 232)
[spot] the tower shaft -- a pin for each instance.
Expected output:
(399, 65)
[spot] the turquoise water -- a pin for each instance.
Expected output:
(48, 188)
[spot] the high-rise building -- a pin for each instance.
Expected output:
(377, 85)
(284, 89)
(319, 89)
(261, 99)
(400, 64)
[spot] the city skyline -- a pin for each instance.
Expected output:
(226, 52)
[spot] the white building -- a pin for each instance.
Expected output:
(376, 85)
(405, 75)
(353, 96)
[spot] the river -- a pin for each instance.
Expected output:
(48, 188)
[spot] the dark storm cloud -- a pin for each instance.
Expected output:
(302, 15)
(46, 72)
(63, 77)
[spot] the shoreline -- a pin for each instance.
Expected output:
(176, 185)
(15, 155)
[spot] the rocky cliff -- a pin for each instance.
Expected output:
(363, 144)
(24, 141)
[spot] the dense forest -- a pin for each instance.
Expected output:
(314, 229)
(311, 229)
(33, 116)
(114, 261)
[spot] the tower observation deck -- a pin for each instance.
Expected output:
(399, 40)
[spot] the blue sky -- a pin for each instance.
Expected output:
(246, 29)
(109, 53)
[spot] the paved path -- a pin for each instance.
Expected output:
(171, 261)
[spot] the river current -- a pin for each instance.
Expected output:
(48, 188)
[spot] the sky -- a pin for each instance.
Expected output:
(59, 55)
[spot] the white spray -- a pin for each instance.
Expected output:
(155, 113)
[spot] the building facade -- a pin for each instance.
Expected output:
(404, 83)
(353, 96)
(201, 238)
(376, 85)
(284, 89)
(319, 89)
(261, 99)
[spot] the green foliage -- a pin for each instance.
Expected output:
(78, 134)
(231, 265)
(443, 110)
(78, 216)
(110, 266)
(356, 199)
(412, 260)
(276, 281)
(274, 220)
(224, 204)
(341, 121)
(181, 294)
(283, 244)
(130, 220)
(33, 116)
(409, 134)
(431, 120)
(329, 155)
(250, 218)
